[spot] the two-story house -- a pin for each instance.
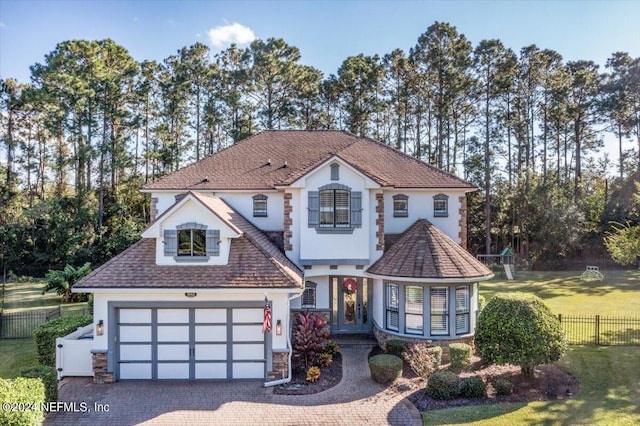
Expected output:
(294, 220)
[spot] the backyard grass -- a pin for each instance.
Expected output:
(27, 296)
(565, 293)
(609, 394)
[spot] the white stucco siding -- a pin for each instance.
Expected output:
(165, 200)
(243, 204)
(421, 207)
(227, 297)
(314, 245)
(298, 214)
(322, 293)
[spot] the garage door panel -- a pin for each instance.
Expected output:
(206, 352)
(211, 315)
(173, 370)
(173, 315)
(247, 333)
(211, 333)
(134, 370)
(248, 370)
(135, 352)
(173, 333)
(211, 370)
(135, 316)
(252, 351)
(135, 333)
(247, 315)
(173, 352)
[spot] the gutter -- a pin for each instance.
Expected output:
(289, 344)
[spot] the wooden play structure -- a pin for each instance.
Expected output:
(506, 259)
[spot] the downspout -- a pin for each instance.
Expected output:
(289, 345)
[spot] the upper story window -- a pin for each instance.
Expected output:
(260, 205)
(191, 241)
(309, 295)
(440, 205)
(400, 205)
(334, 208)
(335, 171)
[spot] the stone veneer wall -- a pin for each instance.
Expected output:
(100, 373)
(382, 336)
(380, 221)
(463, 221)
(280, 367)
(287, 221)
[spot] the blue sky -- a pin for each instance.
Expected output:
(326, 32)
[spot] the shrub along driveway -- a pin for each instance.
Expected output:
(356, 400)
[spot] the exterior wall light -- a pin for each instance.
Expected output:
(100, 328)
(279, 327)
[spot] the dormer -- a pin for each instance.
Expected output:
(193, 232)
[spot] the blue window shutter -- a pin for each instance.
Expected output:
(213, 242)
(356, 209)
(170, 242)
(314, 209)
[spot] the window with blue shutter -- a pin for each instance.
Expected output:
(170, 242)
(356, 209)
(314, 209)
(335, 209)
(191, 241)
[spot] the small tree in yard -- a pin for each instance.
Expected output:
(519, 329)
(309, 331)
(63, 281)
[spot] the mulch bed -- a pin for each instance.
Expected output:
(329, 377)
(550, 382)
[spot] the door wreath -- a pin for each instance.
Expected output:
(350, 286)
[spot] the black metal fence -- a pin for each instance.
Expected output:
(20, 325)
(601, 331)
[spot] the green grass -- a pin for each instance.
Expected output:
(609, 394)
(16, 355)
(26, 296)
(565, 293)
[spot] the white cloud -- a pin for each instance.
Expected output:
(225, 35)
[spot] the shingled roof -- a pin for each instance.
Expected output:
(280, 157)
(424, 252)
(254, 262)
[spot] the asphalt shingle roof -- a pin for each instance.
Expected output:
(254, 262)
(424, 251)
(280, 157)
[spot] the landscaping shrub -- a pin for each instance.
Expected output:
(48, 377)
(22, 390)
(395, 347)
(519, 329)
(436, 353)
(443, 385)
(313, 374)
(460, 354)
(46, 334)
(421, 360)
(308, 339)
(482, 302)
(325, 359)
(331, 347)
(473, 387)
(385, 368)
(503, 387)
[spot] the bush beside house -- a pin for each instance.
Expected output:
(45, 335)
(18, 391)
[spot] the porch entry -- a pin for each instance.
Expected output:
(351, 305)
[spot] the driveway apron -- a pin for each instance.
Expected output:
(356, 400)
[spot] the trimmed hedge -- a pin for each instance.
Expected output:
(385, 368)
(22, 390)
(49, 379)
(436, 353)
(395, 347)
(460, 354)
(443, 385)
(46, 334)
(473, 387)
(503, 387)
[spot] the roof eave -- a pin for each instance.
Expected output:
(431, 280)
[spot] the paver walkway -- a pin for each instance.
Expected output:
(356, 400)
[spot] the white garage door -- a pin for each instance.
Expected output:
(190, 343)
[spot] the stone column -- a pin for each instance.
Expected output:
(287, 221)
(380, 221)
(100, 370)
(463, 222)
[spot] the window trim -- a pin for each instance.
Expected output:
(191, 244)
(401, 212)
(334, 208)
(407, 312)
(211, 242)
(441, 211)
(389, 309)
(354, 210)
(310, 288)
(465, 313)
(444, 314)
(258, 199)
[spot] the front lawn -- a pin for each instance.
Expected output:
(609, 394)
(16, 355)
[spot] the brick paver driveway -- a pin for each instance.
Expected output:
(357, 400)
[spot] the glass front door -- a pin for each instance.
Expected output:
(351, 310)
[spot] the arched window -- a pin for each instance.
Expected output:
(260, 205)
(400, 205)
(440, 205)
(309, 295)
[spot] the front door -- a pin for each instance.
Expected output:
(352, 296)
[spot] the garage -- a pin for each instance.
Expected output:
(190, 343)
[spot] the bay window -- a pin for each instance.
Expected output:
(439, 310)
(462, 309)
(413, 308)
